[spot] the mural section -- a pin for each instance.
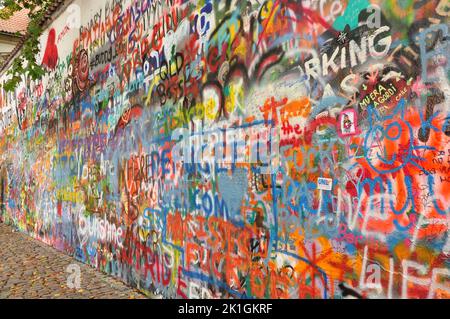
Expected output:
(240, 149)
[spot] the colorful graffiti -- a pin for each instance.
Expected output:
(240, 149)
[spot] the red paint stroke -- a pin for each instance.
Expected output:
(315, 124)
(50, 59)
(130, 114)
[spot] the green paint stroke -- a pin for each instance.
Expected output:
(351, 14)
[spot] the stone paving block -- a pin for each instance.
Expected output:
(30, 269)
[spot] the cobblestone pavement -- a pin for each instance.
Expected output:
(32, 270)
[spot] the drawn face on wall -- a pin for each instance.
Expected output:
(389, 142)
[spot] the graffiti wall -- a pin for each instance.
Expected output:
(240, 149)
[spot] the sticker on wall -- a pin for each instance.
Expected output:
(348, 121)
(324, 184)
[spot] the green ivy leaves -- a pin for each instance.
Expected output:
(25, 64)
